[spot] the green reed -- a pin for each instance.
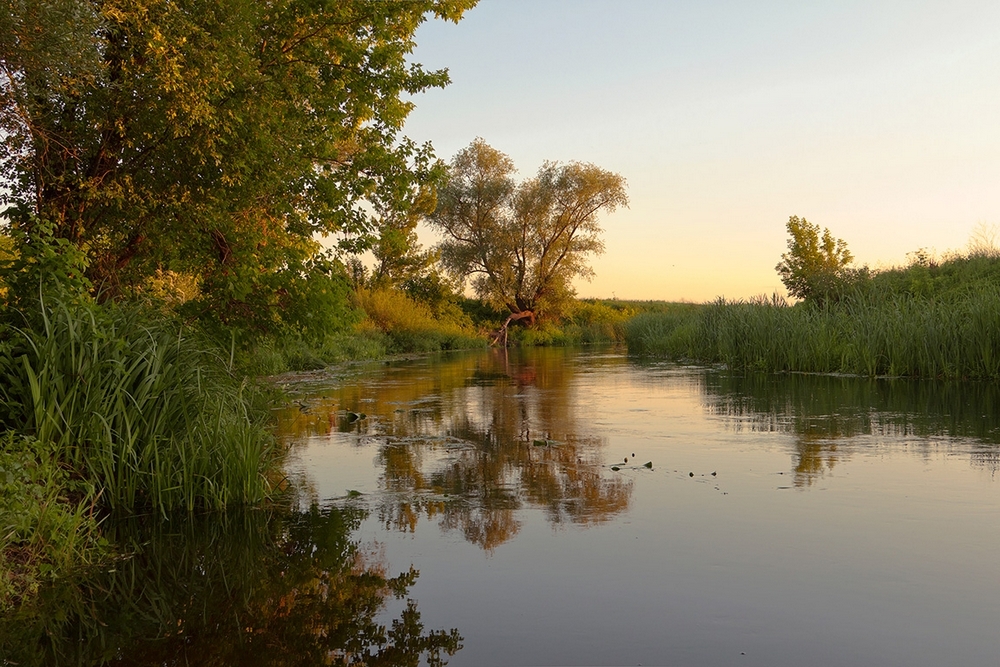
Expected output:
(919, 322)
(137, 404)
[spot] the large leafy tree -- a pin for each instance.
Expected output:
(815, 264)
(215, 137)
(522, 243)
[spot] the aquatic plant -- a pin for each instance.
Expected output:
(137, 404)
(930, 320)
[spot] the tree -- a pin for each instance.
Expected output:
(814, 265)
(214, 137)
(398, 255)
(522, 243)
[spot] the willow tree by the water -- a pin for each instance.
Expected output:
(523, 243)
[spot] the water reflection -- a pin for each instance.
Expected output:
(876, 565)
(825, 411)
(470, 440)
(253, 588)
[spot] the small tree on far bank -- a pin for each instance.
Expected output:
(522, 243)
(815, 264)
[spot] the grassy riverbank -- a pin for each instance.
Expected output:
(125, 408)
(591, 322)
(115, 409)
(936, 320)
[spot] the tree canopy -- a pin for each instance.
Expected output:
(814, 263)
(522, 244)
(215, 137)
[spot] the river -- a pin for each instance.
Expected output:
(567, 507)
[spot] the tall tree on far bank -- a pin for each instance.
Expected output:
(815, 263)
(214, 137)
(522, 243)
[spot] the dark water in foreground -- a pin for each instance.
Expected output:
(475, 515)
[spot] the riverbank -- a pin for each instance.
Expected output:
(928, 320)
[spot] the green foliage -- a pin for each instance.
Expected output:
(8, 254)
(309, 301)
(135, 404)
(271, 355)
(398, 255)
(522, 244)
(437, 292)
(939, 322)
(815, 267)
(412, 326)
(213, 138)
(483, 315)
(42, 265)
(47, 524)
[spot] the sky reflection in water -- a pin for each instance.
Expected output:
(849, 521)
(475, 515)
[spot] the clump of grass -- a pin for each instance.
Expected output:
(591, 322)
(138, 405)
(277, 354)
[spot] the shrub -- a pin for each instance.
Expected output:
(48, 525)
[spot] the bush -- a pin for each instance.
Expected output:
(48, 526)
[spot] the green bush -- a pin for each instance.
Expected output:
(47, 521)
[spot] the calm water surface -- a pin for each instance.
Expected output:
(556, 507)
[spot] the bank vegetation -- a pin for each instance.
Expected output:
(930, 319)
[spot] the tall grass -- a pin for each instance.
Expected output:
(939, 321)
(137, 404)
(272, 355)
(412, 326)
(590, 322)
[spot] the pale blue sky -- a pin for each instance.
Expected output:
(879, 120)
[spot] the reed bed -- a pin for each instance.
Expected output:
(921, 322)
(140, 406)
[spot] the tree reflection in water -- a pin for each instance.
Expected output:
(281, 588)
(471, 440)
(824, 410)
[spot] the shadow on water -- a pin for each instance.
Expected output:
(469, 440)
(249, 588)
(825, 412)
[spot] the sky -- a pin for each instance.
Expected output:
(879, 121)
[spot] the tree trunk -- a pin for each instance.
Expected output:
(500, 337)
